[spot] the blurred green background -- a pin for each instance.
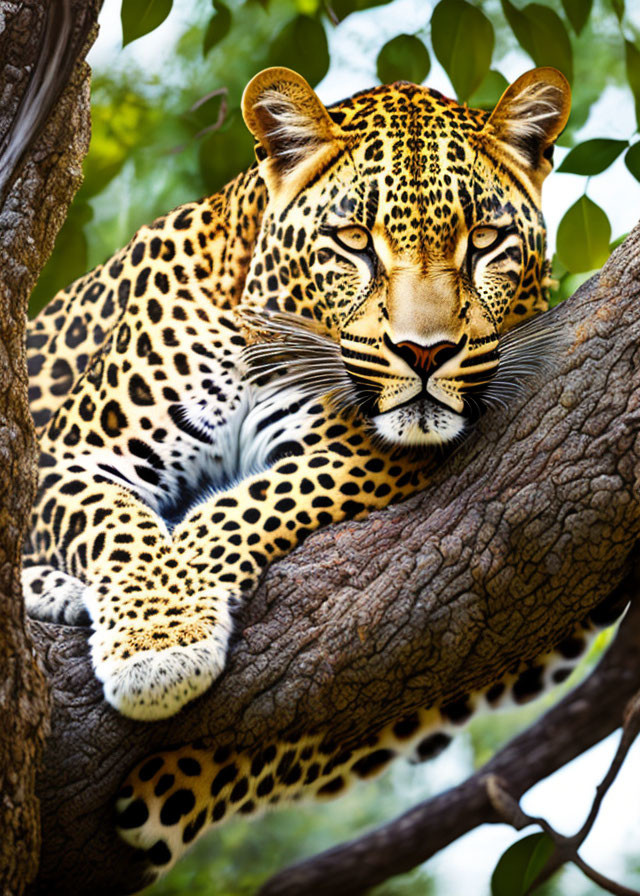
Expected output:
(167, 129)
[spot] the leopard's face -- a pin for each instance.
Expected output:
(408, 229)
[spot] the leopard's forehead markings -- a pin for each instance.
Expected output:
(406, 119)
(418, 147)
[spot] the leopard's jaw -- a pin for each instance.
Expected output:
(420, 423)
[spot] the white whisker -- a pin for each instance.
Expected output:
(524, 352)
(292, 353)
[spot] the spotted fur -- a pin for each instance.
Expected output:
(271, 359)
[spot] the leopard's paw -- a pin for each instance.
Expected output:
(54, 596)
(151, 667)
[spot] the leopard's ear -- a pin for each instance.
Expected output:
(531, 115)
(287, 119)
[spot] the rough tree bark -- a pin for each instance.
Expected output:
(40, 169)
(528, 527)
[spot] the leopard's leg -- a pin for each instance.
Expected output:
(54, 596)
(161, 604)
(160, 630)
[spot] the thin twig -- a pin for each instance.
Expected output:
(331, 14)
(210, 128)
(630, 730)
(567, 847)
(609, 885)
(219, 91)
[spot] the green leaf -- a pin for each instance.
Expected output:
(593, 156)
(520, 865)
(568, 285)
(490, 91)
(619, 240)
(543, 849)
(218, 26)
(583, 237)
(541, 33)
(618, 8)
(342, 8)
(405, 58)
(520, 26)
(139, 17)
(302, 46)
(632, 160)
(632, 56)
(462, 38)
(577, 11)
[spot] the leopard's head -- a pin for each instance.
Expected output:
(405, 231)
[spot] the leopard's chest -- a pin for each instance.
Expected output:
(176, 431)
(211, 451)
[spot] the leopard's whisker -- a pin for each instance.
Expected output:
(292, 354)
(524, 352)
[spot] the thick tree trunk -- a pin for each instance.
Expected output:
(44, 135)
(526, 529)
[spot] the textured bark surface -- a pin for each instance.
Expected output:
(528, 527)
(40, 169)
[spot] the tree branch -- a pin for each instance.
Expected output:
(44, 132)
(526, 529)
(587, 715)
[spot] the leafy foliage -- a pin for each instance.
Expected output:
(139, 17)
(632, 58)
(302, 45)
(583, 237)
(542, 34)
(577, 11)
(520, 865)
(593, 156)
(218, 27)
(462, 38)
(404, 58)
(489, 91)
(632, 160)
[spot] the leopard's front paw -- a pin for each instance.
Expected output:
(152, 665)
(51, 595)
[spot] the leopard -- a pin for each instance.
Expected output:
(297, 350)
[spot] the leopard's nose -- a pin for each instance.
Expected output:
(424, 359)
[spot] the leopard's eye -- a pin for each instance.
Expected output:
(483, 237)
(355, 238)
